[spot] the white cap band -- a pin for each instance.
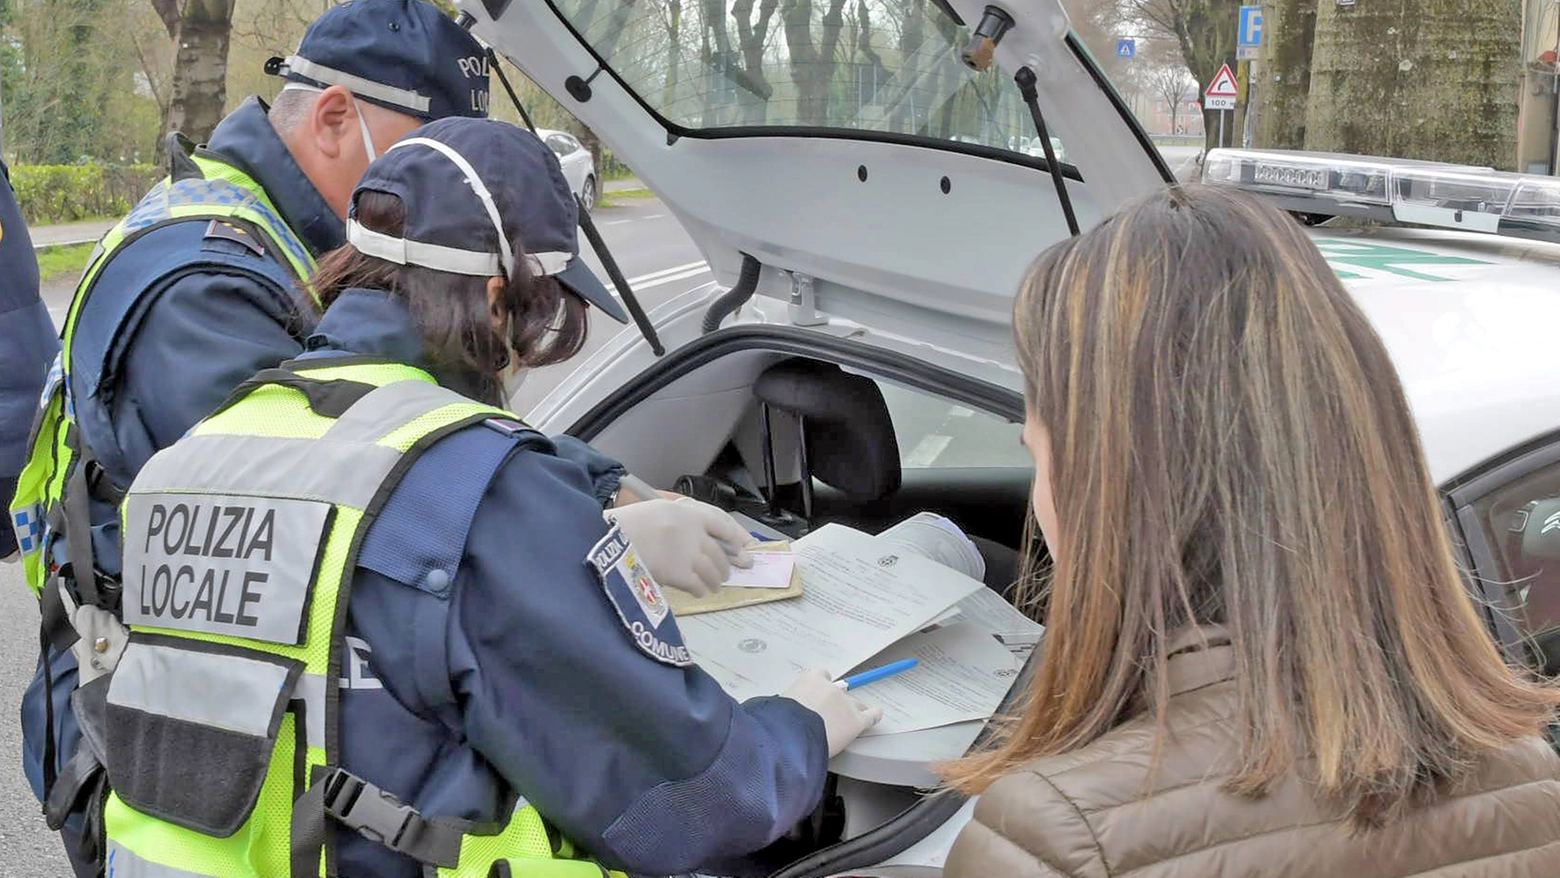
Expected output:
(406, 99)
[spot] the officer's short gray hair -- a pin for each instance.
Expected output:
(291, 109)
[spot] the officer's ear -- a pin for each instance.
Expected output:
(334, 121)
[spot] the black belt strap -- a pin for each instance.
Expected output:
(78, 525)
(71, 787)
(49, 755)
(374, 814)
(58, 631)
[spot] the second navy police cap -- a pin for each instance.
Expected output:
(469, 187)
(404, 55)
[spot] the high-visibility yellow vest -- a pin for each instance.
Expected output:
(240, 542)
(221, 192)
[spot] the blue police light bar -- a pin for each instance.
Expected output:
(1447, 196)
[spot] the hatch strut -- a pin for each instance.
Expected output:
(1025, 79)
(588, 226)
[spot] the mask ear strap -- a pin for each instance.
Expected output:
(506, 255)
(368, 139)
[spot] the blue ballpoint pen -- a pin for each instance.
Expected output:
(855, 681)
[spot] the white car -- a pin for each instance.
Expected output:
(876, 231)
(579, 167)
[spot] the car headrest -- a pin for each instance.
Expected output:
(850, 438)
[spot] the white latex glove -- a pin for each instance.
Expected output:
(844, 718)
(681, 540)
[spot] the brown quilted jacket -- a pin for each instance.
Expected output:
(1087, 814)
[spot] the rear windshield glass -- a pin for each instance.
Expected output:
(888, 66)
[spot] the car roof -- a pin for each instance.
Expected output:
(1471, 322)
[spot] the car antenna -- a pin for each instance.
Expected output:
(588, 226)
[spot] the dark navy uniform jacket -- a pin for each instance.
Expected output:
(522, 674)
(194, 339)
(27, 344)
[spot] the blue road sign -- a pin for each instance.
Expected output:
(1127, 48)
(1250, 27)
(1249, 38)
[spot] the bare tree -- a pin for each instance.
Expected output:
(812, 65)
(1205, 32)
(1170, 83)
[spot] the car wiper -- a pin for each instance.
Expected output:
(588, 226)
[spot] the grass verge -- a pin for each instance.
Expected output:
(56, 261)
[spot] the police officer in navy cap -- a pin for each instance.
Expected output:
(198, 288)
(517, 697)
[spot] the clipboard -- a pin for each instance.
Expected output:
(731, 597)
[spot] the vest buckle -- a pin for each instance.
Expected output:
(382, 818)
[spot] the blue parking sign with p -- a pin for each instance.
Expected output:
(1126, 48)
(1250, 27)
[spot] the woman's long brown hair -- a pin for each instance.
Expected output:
(1231, 445)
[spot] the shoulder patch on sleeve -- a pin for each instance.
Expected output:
(638, 600)
(221, 230)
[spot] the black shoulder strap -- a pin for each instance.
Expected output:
(180, 165)
(327, 397)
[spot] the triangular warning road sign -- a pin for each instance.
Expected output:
(1224, 84)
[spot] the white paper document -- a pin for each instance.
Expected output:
(859, 596)
(963, 674)
(769, 570)
(988, 610)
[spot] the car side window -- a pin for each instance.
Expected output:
(935, 433)
(558, 145)
(1518, 554)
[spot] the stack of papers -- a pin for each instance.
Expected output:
(866, 602)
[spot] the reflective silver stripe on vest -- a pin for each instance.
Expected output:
(123, 863)
(345, 468)
(344, 474)
(222, 691)
(311, 691)
(388, 408)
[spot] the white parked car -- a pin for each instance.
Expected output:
(579, 167)
(870, 237)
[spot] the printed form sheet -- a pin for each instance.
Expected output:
(859, 597)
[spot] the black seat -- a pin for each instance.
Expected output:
(847, 436)
(848, 443)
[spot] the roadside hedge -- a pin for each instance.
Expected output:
(50, 194)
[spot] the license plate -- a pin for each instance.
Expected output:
(1300, 178)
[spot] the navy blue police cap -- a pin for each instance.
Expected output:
(404, 55)
(469, 187)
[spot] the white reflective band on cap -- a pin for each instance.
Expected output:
(550, 263)
(405, 252)
(400, 97)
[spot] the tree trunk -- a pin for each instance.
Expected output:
(812, 67)
(199, 92)
(1206, 32)
(673, 52)
(592, 142)
(1290, 27)
(1418, 79)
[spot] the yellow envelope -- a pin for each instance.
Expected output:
(731, 597)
